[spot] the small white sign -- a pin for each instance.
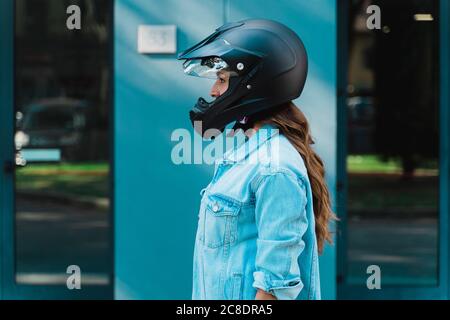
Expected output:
(157, 39)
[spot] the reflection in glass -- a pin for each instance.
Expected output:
(393, 144)
(62, 107)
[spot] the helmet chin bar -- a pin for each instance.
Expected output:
(216, 114)
(209, 113)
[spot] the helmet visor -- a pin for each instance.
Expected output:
(206, 68)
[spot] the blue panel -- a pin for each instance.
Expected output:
(315, 22)
(156, 202)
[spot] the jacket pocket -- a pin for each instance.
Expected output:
(220, 225)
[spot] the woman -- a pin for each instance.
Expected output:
(264, 217)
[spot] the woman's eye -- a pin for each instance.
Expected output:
(222, 80)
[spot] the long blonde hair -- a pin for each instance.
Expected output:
(293, 124)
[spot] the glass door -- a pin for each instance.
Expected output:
(393, 173)
(58, 224)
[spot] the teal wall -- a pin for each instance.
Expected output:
(156, 202)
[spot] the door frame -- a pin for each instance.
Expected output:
(9, 289)
(6, 103)
(442, 291)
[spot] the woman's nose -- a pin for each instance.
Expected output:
(215, 92)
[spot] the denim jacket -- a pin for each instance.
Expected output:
(256, 225)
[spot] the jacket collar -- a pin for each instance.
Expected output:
(241, 152)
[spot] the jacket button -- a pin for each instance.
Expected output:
(215, 208)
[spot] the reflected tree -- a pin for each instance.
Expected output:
(405, 61)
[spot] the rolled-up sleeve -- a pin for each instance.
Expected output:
(281, 221)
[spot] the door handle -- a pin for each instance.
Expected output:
(8, 167)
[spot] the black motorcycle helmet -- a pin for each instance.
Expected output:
(267, 63)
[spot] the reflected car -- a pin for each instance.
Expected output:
(65, 124)
(361, 124)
